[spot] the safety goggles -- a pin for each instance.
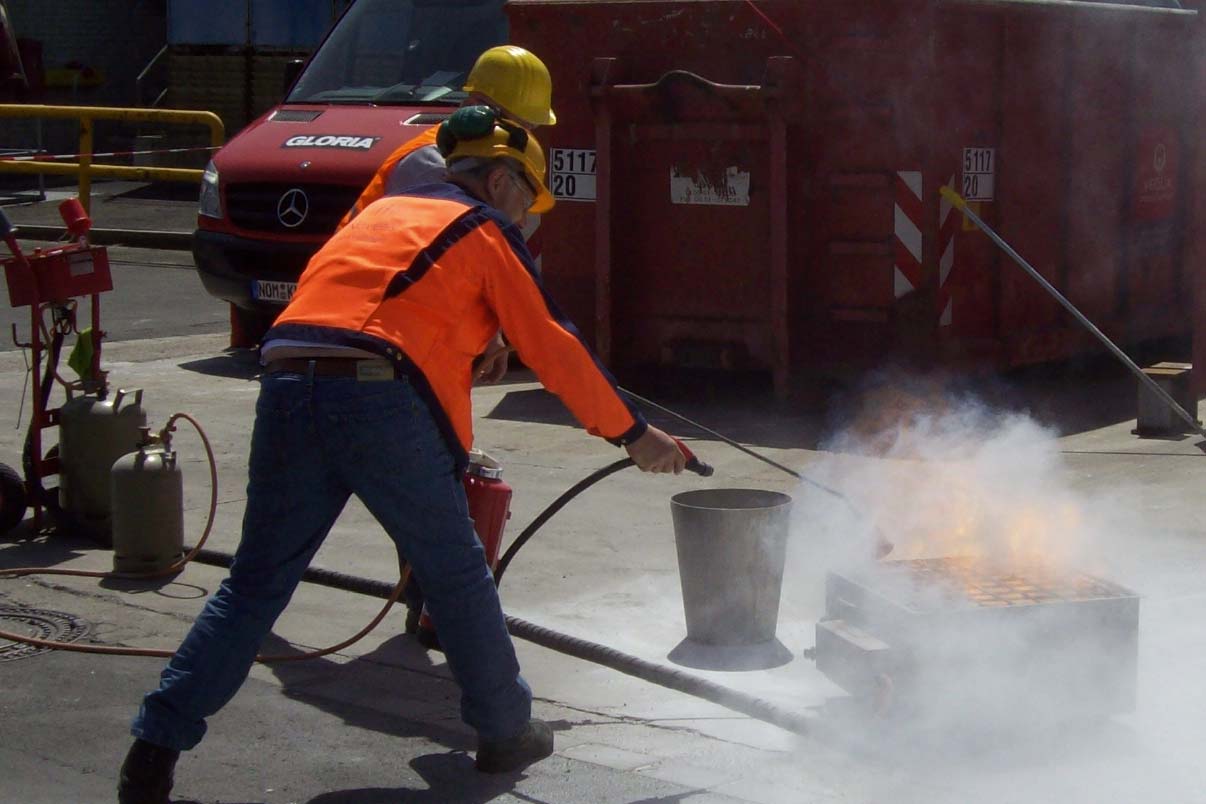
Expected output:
(524, 185)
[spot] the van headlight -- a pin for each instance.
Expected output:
(211, 199)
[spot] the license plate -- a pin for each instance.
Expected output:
(270, 291)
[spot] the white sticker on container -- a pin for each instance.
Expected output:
(732, 189)
(572, 174)
(979, 174)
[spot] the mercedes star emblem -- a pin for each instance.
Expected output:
(292, 209)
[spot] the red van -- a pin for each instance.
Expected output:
(387, 70)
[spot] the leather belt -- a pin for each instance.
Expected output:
(366, 370)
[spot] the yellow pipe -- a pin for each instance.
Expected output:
(84, 168)
(181, 116)
(103, 171)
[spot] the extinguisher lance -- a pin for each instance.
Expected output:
(959, 203)
(882, 545)
(830, 491)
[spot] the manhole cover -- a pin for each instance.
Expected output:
(53, 625)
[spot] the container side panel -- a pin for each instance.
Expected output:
(968, 62)
(1154, 172)
(691, 256)
(1100, 113)
(1031, 173)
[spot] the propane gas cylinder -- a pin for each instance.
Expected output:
(94, 431)
(148, 508)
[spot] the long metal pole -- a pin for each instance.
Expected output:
(959, 203)
(734, 444)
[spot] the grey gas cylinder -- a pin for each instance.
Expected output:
(147, 490)
(95, 431)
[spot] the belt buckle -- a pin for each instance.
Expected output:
(373, 371)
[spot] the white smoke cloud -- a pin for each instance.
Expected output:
(1002, 691)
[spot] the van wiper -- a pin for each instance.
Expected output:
(398, 93)
(335, 96)
(418, 102)
(429, 89)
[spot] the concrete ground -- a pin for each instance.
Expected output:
(1043, 462)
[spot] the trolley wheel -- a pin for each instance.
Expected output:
(13, 499)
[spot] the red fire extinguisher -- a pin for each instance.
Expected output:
(489, 498)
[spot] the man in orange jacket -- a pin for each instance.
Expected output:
(513, 82)
(366, 391)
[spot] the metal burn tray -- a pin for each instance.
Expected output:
(981, 632)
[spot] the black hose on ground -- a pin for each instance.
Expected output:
(659, 674)
(634, 666)
(322, 577)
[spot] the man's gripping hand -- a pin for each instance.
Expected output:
(491, 366)
(655, 451)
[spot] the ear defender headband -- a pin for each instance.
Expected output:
(475, 123)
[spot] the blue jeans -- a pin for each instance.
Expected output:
(317, 441)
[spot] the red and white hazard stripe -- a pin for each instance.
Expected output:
(948, 225)
(906, 276)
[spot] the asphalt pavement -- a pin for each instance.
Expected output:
(1044, 460)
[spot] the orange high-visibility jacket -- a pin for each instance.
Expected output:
(376, 186)
(425, 279)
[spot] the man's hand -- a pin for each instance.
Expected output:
(492, 365)
(656, 452)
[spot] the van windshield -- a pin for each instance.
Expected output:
(401, 52)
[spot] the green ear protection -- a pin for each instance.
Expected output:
(474, 123)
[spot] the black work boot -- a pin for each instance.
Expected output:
(532, 744)
(146, 775)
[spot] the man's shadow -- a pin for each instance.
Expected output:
(404, 668)
(448, 777)
(236, 364)
(427, 688)
(380, 795)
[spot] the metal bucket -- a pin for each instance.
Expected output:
(732, 544)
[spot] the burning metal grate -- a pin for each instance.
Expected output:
(976, 582)
(984, 633)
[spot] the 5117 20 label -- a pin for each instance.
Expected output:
(979, 174)
(572, 174)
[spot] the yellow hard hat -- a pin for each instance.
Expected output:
(478, 131)
(517, 82)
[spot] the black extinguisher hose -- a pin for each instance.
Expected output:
(694, 464)
(557, 504)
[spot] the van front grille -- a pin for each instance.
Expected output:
(289, 208)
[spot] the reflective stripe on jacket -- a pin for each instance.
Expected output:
(425, 279)
(377, 185)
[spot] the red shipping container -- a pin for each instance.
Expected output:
(755, 184)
